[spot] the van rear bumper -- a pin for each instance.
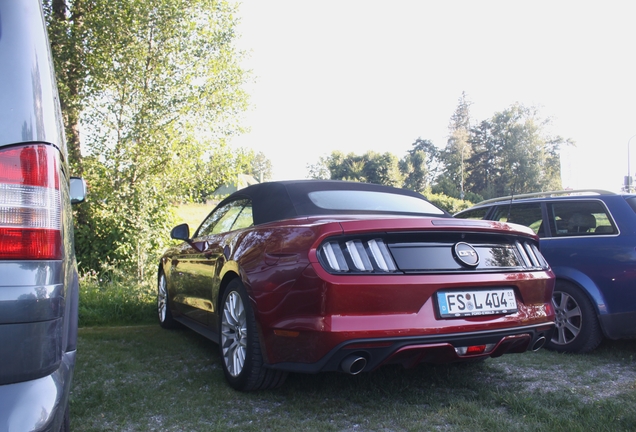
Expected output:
(39, 404)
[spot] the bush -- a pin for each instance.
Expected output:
(115, 300)
(450, 204)
(114, 295)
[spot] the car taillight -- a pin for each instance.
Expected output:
(30, 203)
(356, 256)
(531, 255)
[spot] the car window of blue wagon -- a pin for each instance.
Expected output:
(565, 218)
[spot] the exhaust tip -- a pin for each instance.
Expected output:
(354, 364)
(538, 344)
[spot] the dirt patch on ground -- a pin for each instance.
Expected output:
(600, 382)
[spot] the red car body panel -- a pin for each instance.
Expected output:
(328, 309)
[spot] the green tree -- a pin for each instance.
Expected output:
(421, 165)
(382, 168)
(319, 170)
(371, 167)
(458, 149)
(260, 167)
(161, 87)
(67, 33)
(413, 168)
(513, 154)
(220, 165)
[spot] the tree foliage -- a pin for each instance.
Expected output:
(260, 167)
(457, 150)
(421, 165)
(371, 167)
(157, 87)
(222, 165)
(67, 32)
(413, 167)
(513, 154)
(510, 153)
(448, 203)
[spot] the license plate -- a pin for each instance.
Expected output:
(479, 302)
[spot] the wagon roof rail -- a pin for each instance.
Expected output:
(549, 194)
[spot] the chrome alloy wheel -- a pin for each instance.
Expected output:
(162, 298)
(234, 333)
(568, 318)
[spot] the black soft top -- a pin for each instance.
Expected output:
(274, 201)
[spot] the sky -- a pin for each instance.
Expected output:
(361, 75)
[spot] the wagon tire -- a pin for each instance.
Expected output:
(239, 344)
(577, 326)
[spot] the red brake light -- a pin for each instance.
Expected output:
(30, 225)
(33, 165)
(476, 349)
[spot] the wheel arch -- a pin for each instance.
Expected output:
(588, 288)
(587, 285)
(230, 271)
(162, 267)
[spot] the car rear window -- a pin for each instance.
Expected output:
(475, 214)
(632, 203)
(523, 214)
(371, 201)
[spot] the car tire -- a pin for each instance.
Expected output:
(577, 326)
(239, 343)
(163, 304)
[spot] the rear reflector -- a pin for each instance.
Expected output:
(30, 225)
(474, 349)
(286, 333)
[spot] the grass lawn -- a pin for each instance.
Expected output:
(143, 378)
(193, 214)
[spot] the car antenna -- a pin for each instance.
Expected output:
(514, 186)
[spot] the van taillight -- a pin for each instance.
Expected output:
(30, 225)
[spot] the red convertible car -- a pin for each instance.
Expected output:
(310, 276)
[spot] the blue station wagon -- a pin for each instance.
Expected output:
(589, 240)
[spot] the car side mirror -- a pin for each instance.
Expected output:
(77, 190)
(181, 232)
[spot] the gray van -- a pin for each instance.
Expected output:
(38, 271)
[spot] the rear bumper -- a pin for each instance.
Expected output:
(619, 325)
(39, 404)
(35, 313)
(38, 335)
(410, 351)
